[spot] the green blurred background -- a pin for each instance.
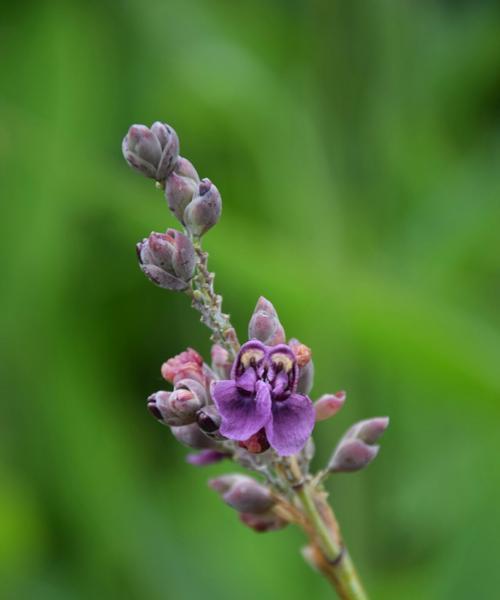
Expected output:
(356, 146)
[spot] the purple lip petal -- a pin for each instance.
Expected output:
(247, 381)
(242, 414)
(280, 383)
(291, 424)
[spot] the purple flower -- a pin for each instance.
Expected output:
(261, 394)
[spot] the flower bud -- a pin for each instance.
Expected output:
(205, 458)
(329, 405)
(306, 378)
(157, 403)
(264, 522)
(179, 192)
(352, 455)
(185, 168)
(224, 483)
(221, 362)
(265, 325)
(204, 210)
(180, 406)
(186, 365)
(306, 367)
(370, 430)
(208, 419)
(243, 494)
(151, 151)
(167, 259)
(192, 436)
(356, 449)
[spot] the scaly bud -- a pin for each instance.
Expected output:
(167, 259)
(265, 325)
(185, 168)
(329, 405)
(356, 449)
(243, 493)
(179, 192)
(204, 210)
(180, 406)
(151, 151)
(186, 365)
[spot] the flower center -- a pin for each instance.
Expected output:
(277, 370)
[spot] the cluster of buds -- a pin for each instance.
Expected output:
(169, 259)
(153, 151)
(252, 404)
(253, 501)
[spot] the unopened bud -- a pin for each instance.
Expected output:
(264, 522)
(180, 406)
(329, 405)
(151, 151)
(243, 494)
(224, 483)
(208, 419)
(369, 430)
(221, 363)
(167, 259)
(303, 355)
(186, 365)
(356, 449)
(306, 378)
(204, 210)
(205, 458)
(185, 168)
(265, 325)
(179, 192)
(192, 436)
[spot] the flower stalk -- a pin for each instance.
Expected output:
(209, 304)
(251, 405)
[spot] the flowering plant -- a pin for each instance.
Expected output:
(251, 405)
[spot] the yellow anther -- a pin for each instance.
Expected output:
(251, 356)
(282, 360)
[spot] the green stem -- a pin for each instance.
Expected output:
(329, 545)
(335, 562)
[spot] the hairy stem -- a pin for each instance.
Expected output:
(209, 304)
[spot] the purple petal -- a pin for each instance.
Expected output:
(251, 345)
(205, 457)
(291, 424)
(242, 414)
(281, 383)
(247, 380)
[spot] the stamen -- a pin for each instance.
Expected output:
(282, 361)
(251, 357)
